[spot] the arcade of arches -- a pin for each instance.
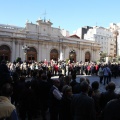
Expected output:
(5, 54)
(87, 57)
(72, 56)
(31, 54)
(54, 55)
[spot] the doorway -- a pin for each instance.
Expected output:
(5, 53)
(87, 57)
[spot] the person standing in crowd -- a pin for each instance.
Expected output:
(7, 110)
(43, 93)
(96, 68)
(82, 106)
(112, 110)
(73, 82)
(96, 96)
(76, 88)
(82, 69)
(65, 112)
(100, 73)
(107, 74)
(26, 102)
(54, 100)
(108, 95)
(115, 70)
(4, 74)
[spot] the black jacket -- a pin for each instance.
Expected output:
(82, 107)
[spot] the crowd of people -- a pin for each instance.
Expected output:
(63, 98)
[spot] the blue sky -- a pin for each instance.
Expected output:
(68, 14)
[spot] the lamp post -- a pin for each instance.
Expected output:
(101, 54)
(25, 49)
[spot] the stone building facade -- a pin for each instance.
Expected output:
(44, 42)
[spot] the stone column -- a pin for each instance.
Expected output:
(17, 49)
(64, 52)
(22, 55)
(13, 51)
(82, 55)
(61, 55)
(38, 51)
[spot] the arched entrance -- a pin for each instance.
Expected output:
(54, 55)
(72, 56)
(31, 54)
(87, 57)
(5, 53)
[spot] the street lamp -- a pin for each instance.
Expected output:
(25, 48)
(101, 53)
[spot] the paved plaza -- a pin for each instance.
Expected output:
(91, 78)
(96, 78)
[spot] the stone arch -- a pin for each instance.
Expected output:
(31, 54)
(72, 56)
(54, 54)
(87, 56)
(5, 53)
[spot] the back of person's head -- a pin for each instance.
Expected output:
(111, 86)
(4, 74)
(6, 90)
(61, 75)
(66, 89)
(95, 85)
(84, 86)
(56, 82)
(82, 79)
(44, 76)
(67, 80)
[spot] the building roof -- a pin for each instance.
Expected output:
(74, 36)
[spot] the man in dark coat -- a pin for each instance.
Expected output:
(108, 95)
(54, 100)
(112, 110)
(82, 106)
(44, 89)
(4, 74)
